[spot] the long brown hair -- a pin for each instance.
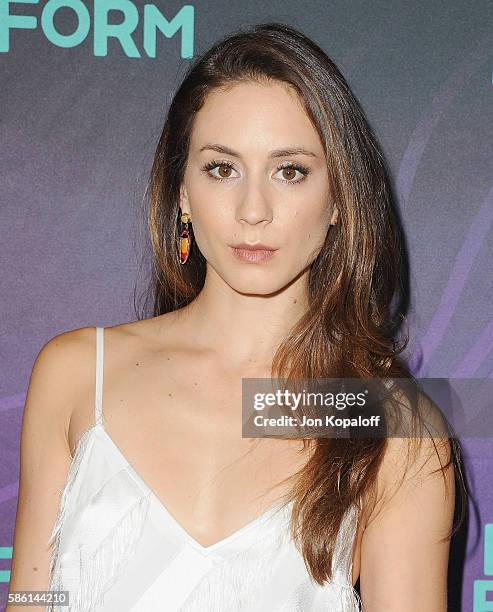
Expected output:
(355, 283)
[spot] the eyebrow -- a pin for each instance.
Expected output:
(275, 153)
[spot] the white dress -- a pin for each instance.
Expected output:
(116, 547)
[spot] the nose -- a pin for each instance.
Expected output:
(254, 207)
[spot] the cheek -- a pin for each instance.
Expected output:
(209, 209)
(310, 225)
(209, 225)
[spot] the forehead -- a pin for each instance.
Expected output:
(254, 114)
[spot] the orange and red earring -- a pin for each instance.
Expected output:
(185, 240)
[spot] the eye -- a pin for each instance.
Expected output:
(289, 170)
(223, 168)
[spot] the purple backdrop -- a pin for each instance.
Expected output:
(81, 110)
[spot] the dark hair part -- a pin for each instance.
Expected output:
(349, 329)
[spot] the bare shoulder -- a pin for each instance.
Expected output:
(68, 359)
(422, 456)
(61, 370)
(418, 449)
(57, 351)
(410, 463)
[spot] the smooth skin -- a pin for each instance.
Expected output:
(172, 384)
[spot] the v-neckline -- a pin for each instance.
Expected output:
(205, 550)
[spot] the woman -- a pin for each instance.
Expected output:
(165, 505)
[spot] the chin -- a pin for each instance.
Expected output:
(260, 287)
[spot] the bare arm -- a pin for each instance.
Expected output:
(45, 456)
(403, 562)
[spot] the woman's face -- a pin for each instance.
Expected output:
(242, 185)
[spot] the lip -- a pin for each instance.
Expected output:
(258, 246)
(253, 253)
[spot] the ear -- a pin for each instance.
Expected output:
(335, 216)
(184, 203)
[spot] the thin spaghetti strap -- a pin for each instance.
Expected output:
(99, 375)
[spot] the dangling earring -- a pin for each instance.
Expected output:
(185, 240)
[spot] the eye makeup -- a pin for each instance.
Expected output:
(213, 164)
